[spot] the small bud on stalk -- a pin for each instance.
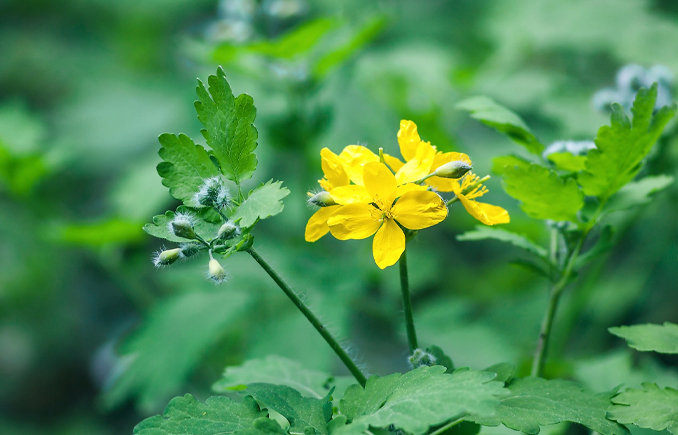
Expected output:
(182, 226)
(322, 199)
(216, 272)
(453, 169)
(228, 231)
(421, 358)
(167, 257)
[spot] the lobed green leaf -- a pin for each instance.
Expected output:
(544, 195)
(499, 164)
(263, 202)
(649, 337)
(568, 161)
(228, 126)
(650, 408)
(638, 192)
(503, 120)
(483, 232)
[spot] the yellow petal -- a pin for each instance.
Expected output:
(388, 244)
(445, 184)
(408, 139)
(393, 162)
(418, 166)
(354, 157)
(418, 210)
(333, 168)
(495, 214)
(475, 210)
(350, 194)
(381, 184)
(409, 187)
(354, 221)
(317, 224)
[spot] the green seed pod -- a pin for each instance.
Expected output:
(453, 169)
(322, 199)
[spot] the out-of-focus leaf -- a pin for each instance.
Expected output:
(621, 147)
(160, 227)
(418, 399)
(504, 371)
(649, 408)
(110, 231)
(336, 57)
(185, 166)
(441, 358)
(483, 232)
(536, 402)
(650, 337)
(501, 162)
(228, 126)
(274, 370)
(568, 161)
(544, 195)
(503, 120)
(638, 192)
(263, 202)
(174, 337)
(604, 243)
(20, 173)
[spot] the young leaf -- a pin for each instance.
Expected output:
(621, 147)
(503, 120)
(228, 126)
(301, 412)
(568, 161)
(638, 192)
(186, 415)
(649, 337)
(649, 408)
(418, 399)
(543, 193)
(191, 322)
(536, 402)
(160, 227)
(263, 202)
(483, 232)
(274, 370)
(500, 163)
(185, 167)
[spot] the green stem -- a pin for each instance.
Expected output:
(317, 324)
(447, 426)
(407, 302)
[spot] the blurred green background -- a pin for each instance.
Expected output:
(93, 338)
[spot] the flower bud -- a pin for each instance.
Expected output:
(453, 169)
(228, 231)
(421, 358)
(216, 272)
(213, 193)
(190, 249)
(182, 226)
(167, 257)
(322, 199)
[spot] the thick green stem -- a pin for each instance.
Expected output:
(447, 426)
(317, 324)
(407, 303)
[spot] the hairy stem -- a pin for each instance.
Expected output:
(317, 324)
(407, 302)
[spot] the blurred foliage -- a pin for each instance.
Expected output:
(86, 87)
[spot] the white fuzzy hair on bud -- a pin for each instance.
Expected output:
(216, 272)
(228, 231)
(213, 193)
(165, 257)
(420, 358)
(182, 225)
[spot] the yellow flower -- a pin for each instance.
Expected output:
(467, 190)
(413, 148)
(415, 210)
(335, 175)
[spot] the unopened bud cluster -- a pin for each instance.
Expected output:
(213, 193)
(420, 358)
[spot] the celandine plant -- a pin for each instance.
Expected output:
(368, 194)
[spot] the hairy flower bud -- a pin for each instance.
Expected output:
(421, 358)
(216, 272)
(228, 231)
(167, 257)
(190, 249)
(182, 226)
(453, 169)
(213, 193)
(322, 199)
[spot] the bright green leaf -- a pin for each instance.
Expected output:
(160, 227)
(275, 370)
(638, 192)
(301, 412)
(297, 41)
(483, 232)
(650, 337)
(503, 120)
(218, 415)
(418, 399)
(501, 162)
(544, 195)
(536, 402)
(649, 408)
(228, 126)
(263, 202)
(173, 339)
(185, 166)
(568, 161)
(621, 147)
